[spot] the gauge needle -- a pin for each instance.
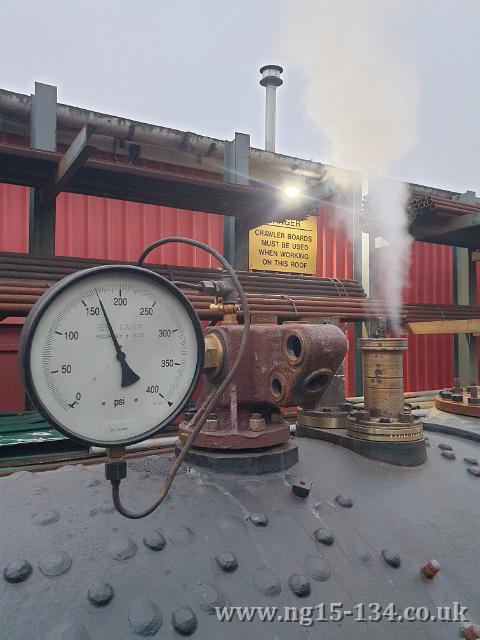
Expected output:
(128, 375)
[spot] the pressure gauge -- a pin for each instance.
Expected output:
(110, 355)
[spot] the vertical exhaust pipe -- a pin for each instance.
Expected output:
(270, 80)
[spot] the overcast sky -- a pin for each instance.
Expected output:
(193, 64)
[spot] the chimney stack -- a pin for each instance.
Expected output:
(270, 80)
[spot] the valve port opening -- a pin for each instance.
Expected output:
(277, 387)
(294, 347)
(317, 381)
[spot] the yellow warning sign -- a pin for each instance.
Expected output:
(289, 246)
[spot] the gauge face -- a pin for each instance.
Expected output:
(111, 354)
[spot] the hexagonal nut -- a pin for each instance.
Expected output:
(213, 360)
(302, 487)
(211, 423)
(256, 422)
(363, 415)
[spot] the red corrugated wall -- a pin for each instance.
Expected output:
(93, 227)
(96, 228)
(428, 363)
(111, 229)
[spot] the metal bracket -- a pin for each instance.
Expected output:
(73, 158)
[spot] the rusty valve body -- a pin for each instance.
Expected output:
(331, 410)
(283, 366)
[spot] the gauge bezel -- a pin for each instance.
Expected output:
(43, 303)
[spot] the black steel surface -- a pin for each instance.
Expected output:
(455, 425)
(242, 540)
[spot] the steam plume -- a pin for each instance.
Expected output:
(361, 94)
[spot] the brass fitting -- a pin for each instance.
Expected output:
(213, 355)
(115, 454)
(228, 311)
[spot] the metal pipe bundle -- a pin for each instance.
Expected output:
(421, 205)
(23, 279)
(43, 272)
(17, 300)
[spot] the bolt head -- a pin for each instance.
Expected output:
(302, 488)
(363, 415)
(256, 422)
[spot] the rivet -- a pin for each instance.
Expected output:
(121, 548)
(267, 582)
(259, 519)
(145, 618)
(317, 568)
(430, 570)
(106, 506)
(91, 482)
(184, 621)
(180, 536)
(54, 564)
(42, 518)
(299, 585)
(210, 597)
(449, 455)
(391, 558)
(344, 501)
(154, 541)
(100, 594)
(227, 561)
(38, 491)
(323, 535)
(17, 571)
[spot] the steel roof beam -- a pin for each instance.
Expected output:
(34, 168)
